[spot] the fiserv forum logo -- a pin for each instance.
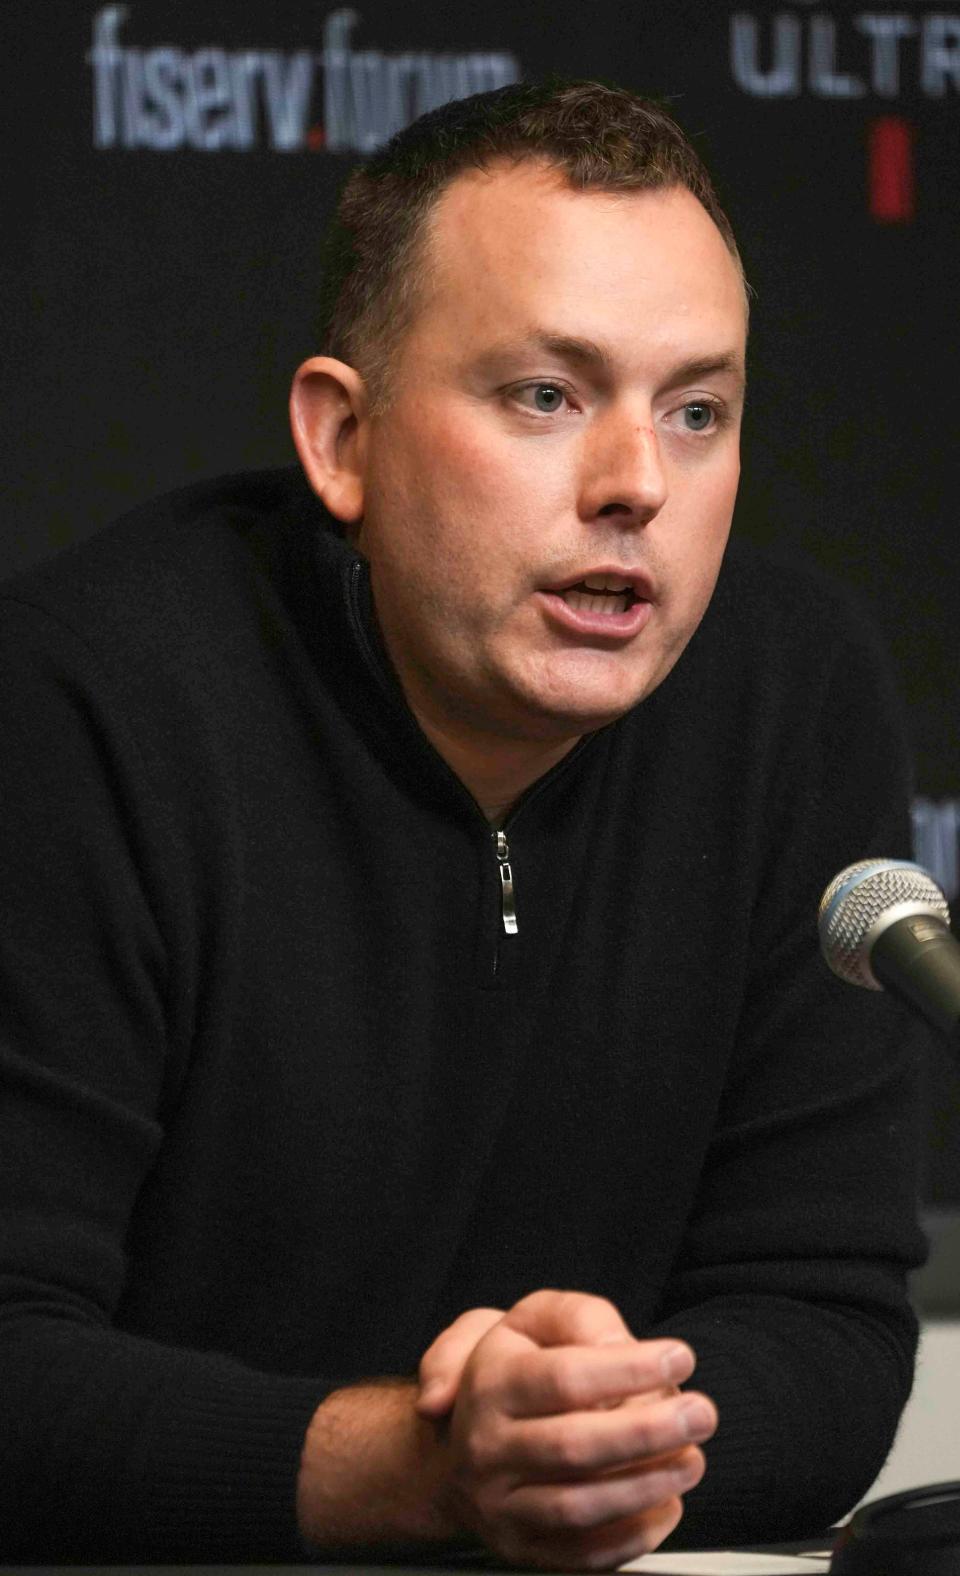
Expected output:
(164, 98)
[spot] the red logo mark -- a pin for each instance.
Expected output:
(891, 178)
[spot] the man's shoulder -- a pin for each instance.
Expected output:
(201, 580)
(183, 540)
(783, 650)
(185, 596)
(772, 605)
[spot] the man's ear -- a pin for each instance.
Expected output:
(328, 415)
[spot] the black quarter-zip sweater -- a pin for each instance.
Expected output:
(281, 1096)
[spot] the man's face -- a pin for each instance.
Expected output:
(565, 408)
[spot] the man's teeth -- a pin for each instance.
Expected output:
(606, 583)
(600, 594)
(602, 602)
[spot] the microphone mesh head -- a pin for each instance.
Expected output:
(857, 898)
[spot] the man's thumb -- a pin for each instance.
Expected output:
(442, 1364)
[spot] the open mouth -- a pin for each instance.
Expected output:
(608, 594)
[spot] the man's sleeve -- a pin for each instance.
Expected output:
(110, 1446)
(791, 1287)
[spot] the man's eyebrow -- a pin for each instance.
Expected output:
(586, 352)
(566, 346)
(708, 366)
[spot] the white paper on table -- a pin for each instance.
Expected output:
(720, 1564)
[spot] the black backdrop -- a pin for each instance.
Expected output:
(170, 167)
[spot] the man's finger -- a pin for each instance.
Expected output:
(583, 1506)
(602, 1548)
(567, 1318)
(576, 1378)
(442, 1364)
(583, 1444)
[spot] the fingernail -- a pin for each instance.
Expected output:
(696, 1418)
(676, 1362)
(432, 1390)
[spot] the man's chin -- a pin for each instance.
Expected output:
(559, 713)
(581, 691)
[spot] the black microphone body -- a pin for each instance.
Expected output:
(919, 958)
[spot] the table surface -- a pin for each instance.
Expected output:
(346, 1568)
(323, 1570)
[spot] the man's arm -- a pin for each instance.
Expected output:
(791, 1282)
(111, 1446)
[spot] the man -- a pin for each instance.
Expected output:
(401, 932)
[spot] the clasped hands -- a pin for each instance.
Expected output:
(567, 1439)
(547, 1432)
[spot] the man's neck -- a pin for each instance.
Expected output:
(495, 771)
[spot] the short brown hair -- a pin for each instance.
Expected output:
(601, 137)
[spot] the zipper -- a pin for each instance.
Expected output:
(394, 694)
(506, 883)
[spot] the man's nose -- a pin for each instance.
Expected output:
(623, 472)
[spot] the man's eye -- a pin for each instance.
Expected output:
(546, 397)
(698, 415)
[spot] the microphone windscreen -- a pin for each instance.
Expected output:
(862, 901)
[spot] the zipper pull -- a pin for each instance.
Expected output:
(506, 885)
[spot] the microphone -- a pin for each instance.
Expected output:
(885, 924)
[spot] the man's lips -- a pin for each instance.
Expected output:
(635, 581)
(584, 605)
